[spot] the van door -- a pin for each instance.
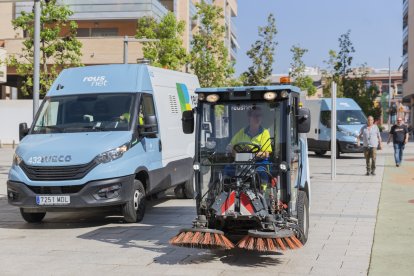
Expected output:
(151, 143)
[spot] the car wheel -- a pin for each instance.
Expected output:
(32, 217)
(320, 152)
(134, 209)
(303, 215)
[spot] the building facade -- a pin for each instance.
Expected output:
(102, 26)
(408, 55)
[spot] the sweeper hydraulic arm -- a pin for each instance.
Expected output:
(250, 169)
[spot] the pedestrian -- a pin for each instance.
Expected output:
(399, 136)
(371, 138)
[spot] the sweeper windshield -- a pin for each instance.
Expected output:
(234, 135)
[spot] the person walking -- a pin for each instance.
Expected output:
(399, 136)
(371, 138)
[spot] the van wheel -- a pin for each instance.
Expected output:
(189, 188)
(134, 209)
(320, 152)
(185, 190)
(303, 215)
(32, 217)
(338, 151)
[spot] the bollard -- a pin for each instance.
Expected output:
(13, 144)
(0, 144)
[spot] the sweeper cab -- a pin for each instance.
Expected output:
(251, 169)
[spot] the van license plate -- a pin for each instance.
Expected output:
(52, 200)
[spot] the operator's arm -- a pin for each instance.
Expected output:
(379, 138)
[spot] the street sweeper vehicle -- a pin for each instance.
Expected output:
(251, 169)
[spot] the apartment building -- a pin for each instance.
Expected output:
(102, 26)
(408, 55)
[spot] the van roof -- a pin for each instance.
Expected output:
(102, 79)
(341, 104)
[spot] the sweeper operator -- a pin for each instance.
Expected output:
(251, 169)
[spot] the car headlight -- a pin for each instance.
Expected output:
(112, 154)
(16, 160)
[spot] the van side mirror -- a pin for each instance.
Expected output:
(188, 121)
(23, 130)
(304, 120)
(149, 128)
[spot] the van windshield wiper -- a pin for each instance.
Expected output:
(59, 129)
(97, 128)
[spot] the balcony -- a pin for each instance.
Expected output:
(233, 27)
(95, 50)
(405, 6)
(405, 33)
(106, 9)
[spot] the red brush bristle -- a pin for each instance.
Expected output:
(217, 240)
(196, 238)
(242, 243)
(281, 244)
(296, 241)
(187, 238)
(207, 239)
(228, 244)
(260, 244)
(177, 238)
(270, 245)
(250, 243)
(290, 243)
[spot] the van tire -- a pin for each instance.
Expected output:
(338, 151)
(189, 188)
(303, 215)
(320, 152)
(134, 210)
(32, 217)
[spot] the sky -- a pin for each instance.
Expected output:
(376, 30)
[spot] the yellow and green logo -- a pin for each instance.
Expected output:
(183, 97)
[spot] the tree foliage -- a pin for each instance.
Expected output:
(168, 52)
(209, 55)
(59, 47)
(262, 55)
(297, 72)
(350, 84)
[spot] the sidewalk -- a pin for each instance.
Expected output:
(393, 249)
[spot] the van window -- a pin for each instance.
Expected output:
(344, 117)
(83, 113)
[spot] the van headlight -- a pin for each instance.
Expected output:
(17, 160)
(112, 154)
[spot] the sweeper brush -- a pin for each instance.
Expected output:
(202, 238)
(269, 241)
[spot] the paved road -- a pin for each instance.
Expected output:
(342, 221)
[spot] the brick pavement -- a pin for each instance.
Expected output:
(342, 221)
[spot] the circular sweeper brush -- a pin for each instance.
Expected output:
(281, 239)
(202, 238)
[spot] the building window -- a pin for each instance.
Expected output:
(405, 74)
(97, 32)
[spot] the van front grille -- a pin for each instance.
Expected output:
(56, 173)
(55, 190)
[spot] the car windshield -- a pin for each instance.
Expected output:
(344, 117)
(85, 113)
(229, 128)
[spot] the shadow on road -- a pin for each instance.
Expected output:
(151, 237)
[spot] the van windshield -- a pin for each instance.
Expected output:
(344, 117)
(85, 113)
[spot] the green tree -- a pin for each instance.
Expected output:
(209, 56)
(329, 76)
(297, 72)
(262, 55)
(344, 58)
(59, 47)
(168, 52)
